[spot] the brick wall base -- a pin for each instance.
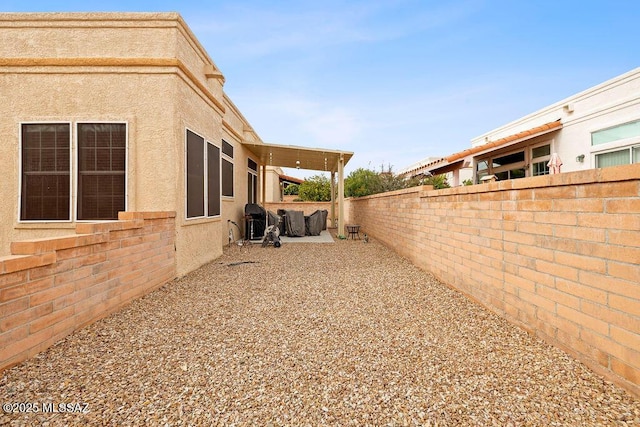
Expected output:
(557, 255)
(52, 287)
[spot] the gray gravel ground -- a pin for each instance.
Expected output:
(344, 334)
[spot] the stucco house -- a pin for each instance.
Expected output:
(596, 128)
(109, 112)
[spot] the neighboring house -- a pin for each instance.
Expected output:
(596, 128)
(276, 182)
(105, 112)
(429, 166)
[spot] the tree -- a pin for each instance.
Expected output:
(362, 182)
(291, 190)
(438, 181)
(315, 189)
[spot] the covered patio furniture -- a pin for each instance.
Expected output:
(313, 224)
(295, 223)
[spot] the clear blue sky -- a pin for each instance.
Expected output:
(396, 81)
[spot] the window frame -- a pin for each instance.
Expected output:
(217, 177)
(508, 168)
(252, 181)
(628, 148)
(206, 176)
(615, 145)
(226, 157)
(21, 172)
(540, 159)
(76, 196)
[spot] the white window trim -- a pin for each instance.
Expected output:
(594, 155)
(612, 145)
(76, 168)
(71, 172)
(546, 158)
(255, 175)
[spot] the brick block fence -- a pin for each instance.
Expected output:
(557, 255)
(54, 286)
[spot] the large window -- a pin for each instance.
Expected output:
(621, 145)
(46, 172)
(227, 169)
(624, 156)
(509, 166)
(203, 177)
(101, 170)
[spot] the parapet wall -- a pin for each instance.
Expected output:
(54, 286)
(557, 255)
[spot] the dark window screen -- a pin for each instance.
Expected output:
(213, 179)
(101, 170)
(46, 172)
(227, 178)
(227, 149)
(195, 175)
(252, 165)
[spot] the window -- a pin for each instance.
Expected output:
(540, 157)
(195, 175)
(203, 177)
(213, 180)
(227, 169)
(252, 182)
(101, 170)
(508, 166)
(482, 169)
(624, 156)
(45, 172)
(615, 133)
(624, 148)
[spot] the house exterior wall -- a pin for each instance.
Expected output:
(611, 103)
(558, 255)
(236, 130)
(273, 189)
(146, 70)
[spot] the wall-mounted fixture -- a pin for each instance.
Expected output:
(580, 158)
(568, 108)
(297, 164)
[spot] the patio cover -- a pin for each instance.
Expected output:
(293, 156)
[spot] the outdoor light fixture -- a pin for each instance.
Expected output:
(580, 158)
(297, 164)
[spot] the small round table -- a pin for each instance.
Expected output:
(353, 231)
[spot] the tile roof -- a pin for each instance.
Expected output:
(530, 133)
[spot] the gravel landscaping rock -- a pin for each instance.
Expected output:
(343, 334)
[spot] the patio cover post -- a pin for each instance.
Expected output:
(341, 196)
(263, 184)
(332, 216)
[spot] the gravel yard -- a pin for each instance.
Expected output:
(342, 334)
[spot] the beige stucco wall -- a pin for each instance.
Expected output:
(147, 70)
